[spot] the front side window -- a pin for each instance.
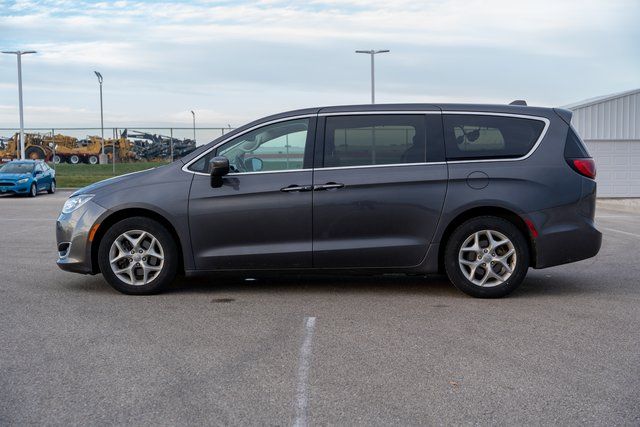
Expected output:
(469, 136)
(276, 147)
(374, 140)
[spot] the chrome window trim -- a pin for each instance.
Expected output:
(368, 113)
(263, 172)
(546, 122)
(386, 165)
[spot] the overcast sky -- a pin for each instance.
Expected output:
(233, 61)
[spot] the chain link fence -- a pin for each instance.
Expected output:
(81, 156)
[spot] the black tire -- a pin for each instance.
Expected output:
(165, 276)
(35, 152)
(33, 190)
(52, 187)
(467, 229)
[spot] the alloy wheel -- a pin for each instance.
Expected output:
(487, 258)
(136, 257)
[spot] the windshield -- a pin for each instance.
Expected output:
(17, 168)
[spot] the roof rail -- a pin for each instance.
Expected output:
(518, 102)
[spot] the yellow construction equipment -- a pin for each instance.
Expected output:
(35, 148)
(131, 146)
(61, 148)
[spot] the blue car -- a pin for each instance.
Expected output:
(27, 177)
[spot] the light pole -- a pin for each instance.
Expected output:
(194, 125)
(373, 73)
(102, 155)
(18, 54)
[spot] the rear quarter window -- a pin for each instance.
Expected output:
(574, 147)
(470, 136)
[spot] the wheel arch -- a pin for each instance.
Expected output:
(474, 212)
(119, 215)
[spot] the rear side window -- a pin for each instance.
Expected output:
(573, 147)
(469, 136)
(374, 140)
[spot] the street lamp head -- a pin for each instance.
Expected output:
(373, 52)
(19, 52)
(99, 76)
(194, 114)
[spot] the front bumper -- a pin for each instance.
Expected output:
(72, 237)
(16, 189)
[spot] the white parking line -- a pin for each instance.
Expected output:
(620, 231)
(302, 393)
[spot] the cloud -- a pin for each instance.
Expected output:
(235, 60)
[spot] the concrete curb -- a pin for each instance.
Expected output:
(624, 205)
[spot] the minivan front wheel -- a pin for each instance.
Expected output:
(487, 257)
(138, 256)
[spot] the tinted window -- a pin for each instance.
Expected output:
(374, 140)
(17, 168)
(574, 148)
(470, 136)
(280, 146)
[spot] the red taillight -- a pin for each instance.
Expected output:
(585, 167)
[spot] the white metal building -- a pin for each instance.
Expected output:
(610, 126)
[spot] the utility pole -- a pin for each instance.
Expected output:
(194, 125)
(373, 53)
(103, 158)
(18, 54)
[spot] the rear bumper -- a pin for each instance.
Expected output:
(564, 236)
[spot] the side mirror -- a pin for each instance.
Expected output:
(38, 173)
(218, 167)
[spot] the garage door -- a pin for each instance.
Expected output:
(618, 166)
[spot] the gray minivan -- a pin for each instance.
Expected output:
(481, 192)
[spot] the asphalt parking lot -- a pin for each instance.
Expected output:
(563, 349)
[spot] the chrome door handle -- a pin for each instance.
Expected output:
(294, 187)
(328, 186)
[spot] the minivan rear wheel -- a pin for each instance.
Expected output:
(138, 256)
(487, 257)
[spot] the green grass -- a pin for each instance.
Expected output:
(74, 176)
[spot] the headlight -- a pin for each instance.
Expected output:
(23, 180)
(74, 202)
